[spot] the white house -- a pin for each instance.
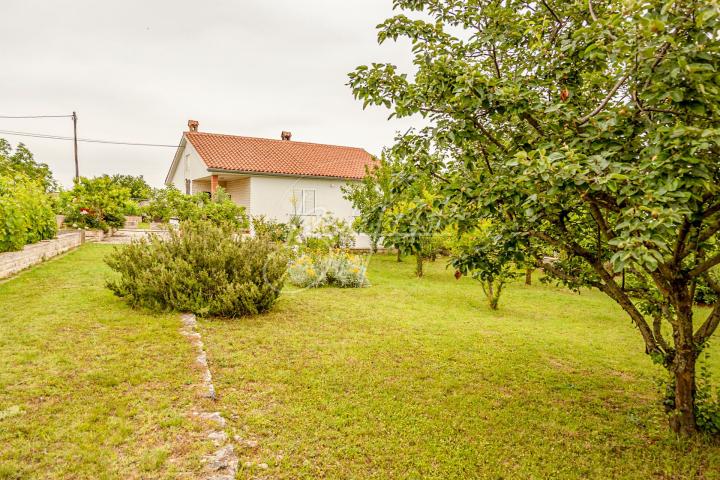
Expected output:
(274, 178)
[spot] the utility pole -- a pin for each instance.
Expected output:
(77, 166)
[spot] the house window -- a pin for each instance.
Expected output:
(308, 202)
(304, 202)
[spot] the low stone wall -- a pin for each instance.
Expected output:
(124, 236)
(13, 262)
(132, 221)
(95, 235)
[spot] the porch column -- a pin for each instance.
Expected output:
(213, 185)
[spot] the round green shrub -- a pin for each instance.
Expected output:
(202, 268)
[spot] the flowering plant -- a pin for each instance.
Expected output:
(336, 268)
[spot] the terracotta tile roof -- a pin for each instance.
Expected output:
(287, 157)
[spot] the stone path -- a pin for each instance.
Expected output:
(124, 236)
(223, 463)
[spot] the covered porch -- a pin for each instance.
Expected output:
(235, 185)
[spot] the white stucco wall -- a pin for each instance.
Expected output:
(190, 166)
(272, 196)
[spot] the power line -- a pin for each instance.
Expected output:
(85, 140)
(35, 116)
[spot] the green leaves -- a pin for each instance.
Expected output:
(97, 202)
(22, 161)
(169, 202)
(705, 15)
(203, 268)
(26, 213)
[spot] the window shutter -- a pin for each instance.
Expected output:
(308, 202)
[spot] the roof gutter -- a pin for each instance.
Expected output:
(270, 174)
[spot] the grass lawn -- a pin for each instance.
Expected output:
(419, 379)
(88, 387)
(407, 379)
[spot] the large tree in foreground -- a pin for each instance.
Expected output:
(591, 128)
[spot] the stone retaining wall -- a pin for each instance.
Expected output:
(132, 221)
(13, 262)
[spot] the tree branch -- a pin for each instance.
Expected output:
(607, 201)
(599, 218)
(659, 58)
(710, 230)
(552, 12)
(534, 123)
(657, 332)
(702, 236)
(708, 327)
(556, 272)
(487, 160)
(712, 210)
(705, 266)
(440, 177)
(614, 291)
(674, 112)
(493, 55)
(605, 101)
(489, 135)
(682, 237)
(592, 12)
(611, 288)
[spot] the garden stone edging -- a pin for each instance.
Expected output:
(15, 262)
(223, 464)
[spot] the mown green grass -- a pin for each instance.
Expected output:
(407, 379)
(90, 388)
(419, 379)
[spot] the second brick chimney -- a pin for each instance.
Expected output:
(193, 125)
(285, 135)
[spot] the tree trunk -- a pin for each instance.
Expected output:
(399, 255)
(493, 292)
(682, 415)
(492, 299)
(528, 276)
(418, 264)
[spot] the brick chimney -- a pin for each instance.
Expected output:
(193, 125)
(285, 135)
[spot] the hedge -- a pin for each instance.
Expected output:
(26, 213)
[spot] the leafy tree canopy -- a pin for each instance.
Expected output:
(139, 188)
(404, 218)
(589, 128)
(95, 203)
(21, 160)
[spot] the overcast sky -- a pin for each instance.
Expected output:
(138, 70)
